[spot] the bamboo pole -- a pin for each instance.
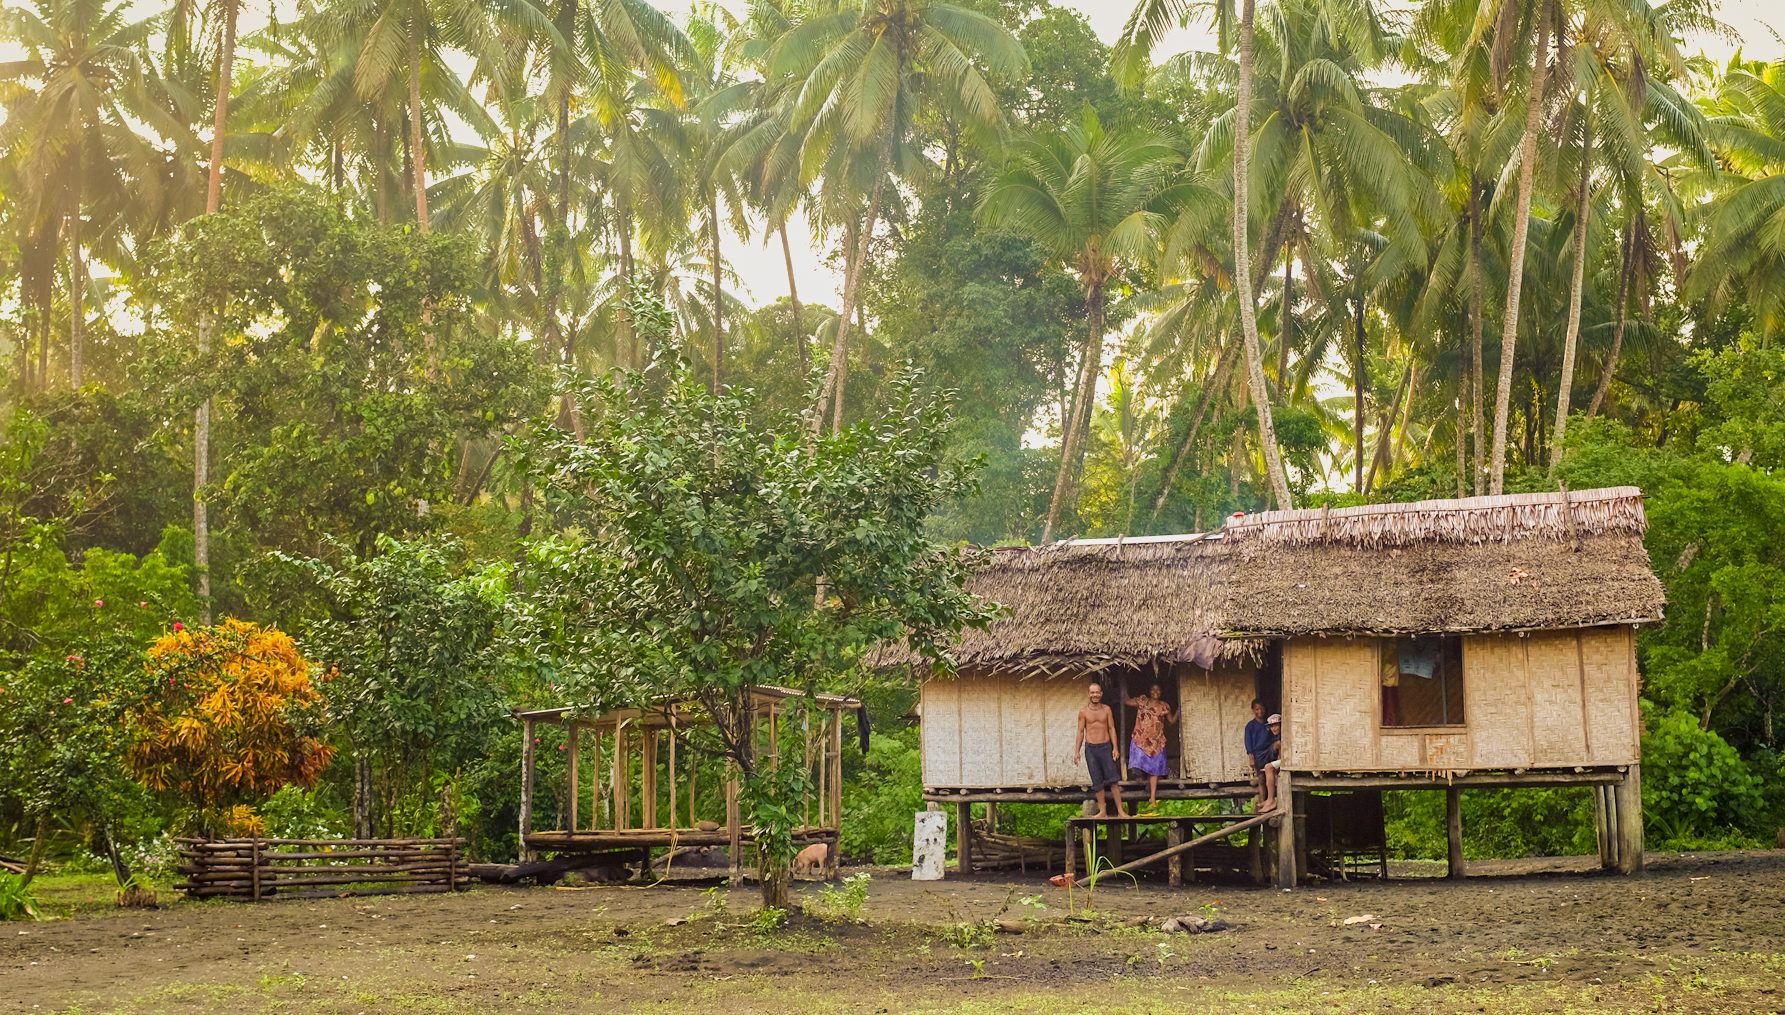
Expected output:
(1286, 871)
(526, 821)
(1182, 847)
(672, 777)
(573, 748)
(647, 797)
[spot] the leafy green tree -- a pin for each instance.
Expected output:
(706, 552)
(415, 639)
(1095, 200)
(864, 75)
(352, 372)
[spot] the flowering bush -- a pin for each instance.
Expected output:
(228, 718)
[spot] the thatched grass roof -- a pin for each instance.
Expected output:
(1524, 561)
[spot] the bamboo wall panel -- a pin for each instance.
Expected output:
(1444, 751)
(1558, 733)
(1027, 718)
(1609, 681)
(1214, 707)
(1347, 700)
(1059, 702)
(1300, 676)
(941, 732)
(983, 743)
(1498, 701)
(1401, 751)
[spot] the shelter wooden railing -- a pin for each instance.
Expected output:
(256, 868)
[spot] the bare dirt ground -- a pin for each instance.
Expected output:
(1697, 932)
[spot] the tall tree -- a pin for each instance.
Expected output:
(201, 424)
(1092, 199)
(1512, 15)
(860, 78)
(1150, 20)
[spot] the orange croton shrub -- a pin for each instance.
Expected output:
(229, 717)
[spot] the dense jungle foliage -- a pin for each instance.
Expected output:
(352, 361)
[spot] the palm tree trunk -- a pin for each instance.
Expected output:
(1477, 421)
(833, 376)
(628, 334)
(1617, 331)
(1516, 267)
(1381, 457)
(77, 310)
(793, 297)
(1357, 390)
(418, 153)
(1462, 428)
(718, 318)
(1582, 211)
(1084, 392)
(201, 424)
(1242, 274)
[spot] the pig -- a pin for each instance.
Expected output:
(812, 859)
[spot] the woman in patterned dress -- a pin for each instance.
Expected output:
(1146, 745)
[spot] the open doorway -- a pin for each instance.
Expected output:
(1120, 686)
(1267, 680)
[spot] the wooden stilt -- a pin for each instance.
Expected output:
(963, 837)
(835, 787)
(647, 800)
(571, 749)
(1286, 869)
(526, 855)
(734, 822)
(1629, 801)
(619, 790)
(1453, 829)
(1602, 827)
(595, 816)
(1174, 867)
(671, 736)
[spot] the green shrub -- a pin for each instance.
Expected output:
(1696, 788)
(16, 900)
(879, 806)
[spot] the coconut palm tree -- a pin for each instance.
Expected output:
(861, 74)
(402, 47)
(70, 105)
(1092, 199)
(1744, 246)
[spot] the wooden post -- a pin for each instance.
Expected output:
(1174, 867)
(1286, 872)
(1453, 825)
(1255, 853)
(1628, 795)
(647, 801)
(618, 788)
(572, 749)
(734, 821)
(836, 776)
(595, 783)
(526, 855)
(963, 837)
(254, 859)
(672, 777)
(1602, 826)
(693, 784)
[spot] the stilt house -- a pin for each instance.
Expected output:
(1479, 642)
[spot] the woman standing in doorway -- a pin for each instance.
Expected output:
(1146, 746)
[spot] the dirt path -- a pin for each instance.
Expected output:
(1703, 932)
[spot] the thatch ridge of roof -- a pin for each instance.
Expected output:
(1561, 515)
(1518, 562)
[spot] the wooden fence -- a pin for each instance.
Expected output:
(314, 868)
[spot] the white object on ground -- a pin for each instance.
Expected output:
(929, 845)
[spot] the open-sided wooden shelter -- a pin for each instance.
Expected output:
(1478, 642)
(639, 799)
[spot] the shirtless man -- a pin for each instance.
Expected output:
(1097, 730)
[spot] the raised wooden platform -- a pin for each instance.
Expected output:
(601, 840)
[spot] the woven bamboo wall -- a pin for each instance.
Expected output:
(1216, 705)
(1551, 699)
(990, 731)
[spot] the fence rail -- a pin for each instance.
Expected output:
(313, 868)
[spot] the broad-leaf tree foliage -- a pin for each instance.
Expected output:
(413, 638)
(707, 552)
(229, 715)
(348, 373)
